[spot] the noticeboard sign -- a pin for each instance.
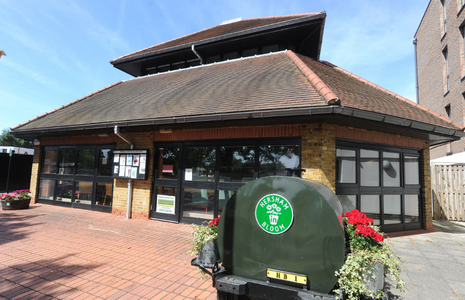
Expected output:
(130, 164)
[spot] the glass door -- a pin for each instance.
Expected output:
(167, 173)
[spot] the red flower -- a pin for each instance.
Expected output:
(215, 221)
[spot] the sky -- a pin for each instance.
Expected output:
(58, 51)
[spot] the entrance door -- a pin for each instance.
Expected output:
(167, 174)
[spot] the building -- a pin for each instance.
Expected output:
(440, 62)
(210, 111)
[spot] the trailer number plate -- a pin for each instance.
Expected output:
(275, 274)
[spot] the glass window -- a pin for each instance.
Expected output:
(104, 193)
(223, 197)
(200, 163)
(412, 170)
(168, 163)
(104, 162)
(369, 204)
(392, 209)
(198, 203)
(67, 161)
(64, 191)
(274, 160)
(348, 202)
(412, 208)
(345, 164)
(369, 167)
(86, 159)
(49, 165)
(46, 188)
(391, 169)
(84, 192)
(237, 163)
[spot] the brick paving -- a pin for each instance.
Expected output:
(49, 252)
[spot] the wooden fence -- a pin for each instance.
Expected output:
(448, 192)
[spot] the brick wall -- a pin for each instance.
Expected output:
(141, 189)
(431, 41)
(319, 153)
(426, 191)
(34, 187)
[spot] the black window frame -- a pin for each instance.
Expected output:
(74, 177)
(404, 189)
(180, 183)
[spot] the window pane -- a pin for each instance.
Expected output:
(223, 197)
(84, 192)
(412, 209)
(348, 202)
(274, 160)
(345, 164)
(369, 167)
(104, 162)
(64, 191)
(104, 193)
(168, 163)
(237, 164)
(412, 170)
(369, 204)
(391, 169)
(46, 189)
(67, 161)
(198, 203)
(392, 209)
(86, 159)
(201, 161)
(164, 203)
(49, 165)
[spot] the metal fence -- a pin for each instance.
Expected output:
(448, 189)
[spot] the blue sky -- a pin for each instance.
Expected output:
(59, 50)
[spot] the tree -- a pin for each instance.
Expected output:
(7, 139)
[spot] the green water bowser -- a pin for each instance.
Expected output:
(280, 232)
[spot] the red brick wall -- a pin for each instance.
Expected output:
(230, 133)
(431, 41)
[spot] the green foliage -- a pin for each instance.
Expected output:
(202, 234)
(7, 139)
(366, 248)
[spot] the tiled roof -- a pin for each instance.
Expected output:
(250, 84)
(274, 82)
(217, 31)
(358, 93)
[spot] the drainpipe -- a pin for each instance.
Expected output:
(195, 52)
(129, 201)
(416, 69)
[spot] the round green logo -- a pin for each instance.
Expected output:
(274, 214)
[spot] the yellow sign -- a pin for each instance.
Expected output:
(275, 274)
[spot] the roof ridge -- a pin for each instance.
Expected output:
(399, 97)
(214, 26)
(328, 95)
(66, 105)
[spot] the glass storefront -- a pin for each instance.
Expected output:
(195, 180)
(382, 182)
(77, 176)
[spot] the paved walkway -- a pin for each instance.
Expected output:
(433, 262)
(48, 252)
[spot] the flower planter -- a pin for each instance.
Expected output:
(375, 284)
(16, 204)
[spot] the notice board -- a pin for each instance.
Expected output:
(130, 164)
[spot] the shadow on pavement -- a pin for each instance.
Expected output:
(46, 276)
(12, 226)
